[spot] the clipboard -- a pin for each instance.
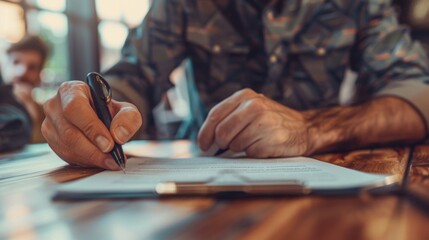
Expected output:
(204, 188)
(267, 189)
(223, 177)
(289, 188)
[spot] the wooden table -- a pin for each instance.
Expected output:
(27, 210)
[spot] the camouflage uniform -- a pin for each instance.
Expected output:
(294, 51)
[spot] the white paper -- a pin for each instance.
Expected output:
(143, 174)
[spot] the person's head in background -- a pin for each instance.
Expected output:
(22, 69)
(25, 61)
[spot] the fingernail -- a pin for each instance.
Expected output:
(111, 164)
(122, 133)
(102, 143)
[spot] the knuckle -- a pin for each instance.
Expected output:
(65, 87)
(236, 146)
(49, 106)
(214, 114)
(246, 92)
(46, 128)
(251, 152)
(70, 85)
(65, 155)
(220, 135)
(88, 127)
(72, 106)
(255, 152)
(72, 91)
(94, 156)
(70, 136)
(254, 104)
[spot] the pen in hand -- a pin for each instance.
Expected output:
(220, 151)
(101, 96)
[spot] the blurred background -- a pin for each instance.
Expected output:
(87, 35)
(415, 14)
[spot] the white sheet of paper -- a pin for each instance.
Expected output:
(142, 174)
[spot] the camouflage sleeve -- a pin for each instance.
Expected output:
(387, 59)
(150, 54)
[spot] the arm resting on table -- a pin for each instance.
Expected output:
(384, 120)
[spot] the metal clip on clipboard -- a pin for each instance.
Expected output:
(248, 187)
(204, 188)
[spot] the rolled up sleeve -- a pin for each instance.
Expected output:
(388, 61)
(151, 52)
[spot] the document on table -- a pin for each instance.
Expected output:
(144, 174)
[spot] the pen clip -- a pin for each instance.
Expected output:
(108, 96)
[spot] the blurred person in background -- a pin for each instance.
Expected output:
(15, 122)
(22, 69)
(269, 76)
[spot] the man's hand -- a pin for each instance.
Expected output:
(75, 133)
(249, 122)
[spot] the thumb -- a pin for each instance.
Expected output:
(126, 121)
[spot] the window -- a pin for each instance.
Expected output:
(12, 14)
(84, 35)
(45, 18)
(115, 20)
(419, 13)
(53, 27)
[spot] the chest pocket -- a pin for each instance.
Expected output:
(321, 52)
(217, 47)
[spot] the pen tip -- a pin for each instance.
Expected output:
(122, 166)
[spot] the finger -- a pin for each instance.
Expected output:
(263, 126)
(256, 140)
(206, 134)
(68, 141)
(76, 150)
(126, 122)
(237, 120)
(245, 138)
(267, 147)
(263, 144)
(256, 150)
(77, 110)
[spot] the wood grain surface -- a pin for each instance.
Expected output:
(28, 211)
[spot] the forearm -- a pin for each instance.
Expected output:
(386, 120)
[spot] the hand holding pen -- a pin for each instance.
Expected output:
(77, 135)
(100, 100)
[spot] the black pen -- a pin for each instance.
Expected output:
(220, 151)
(101, 96)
